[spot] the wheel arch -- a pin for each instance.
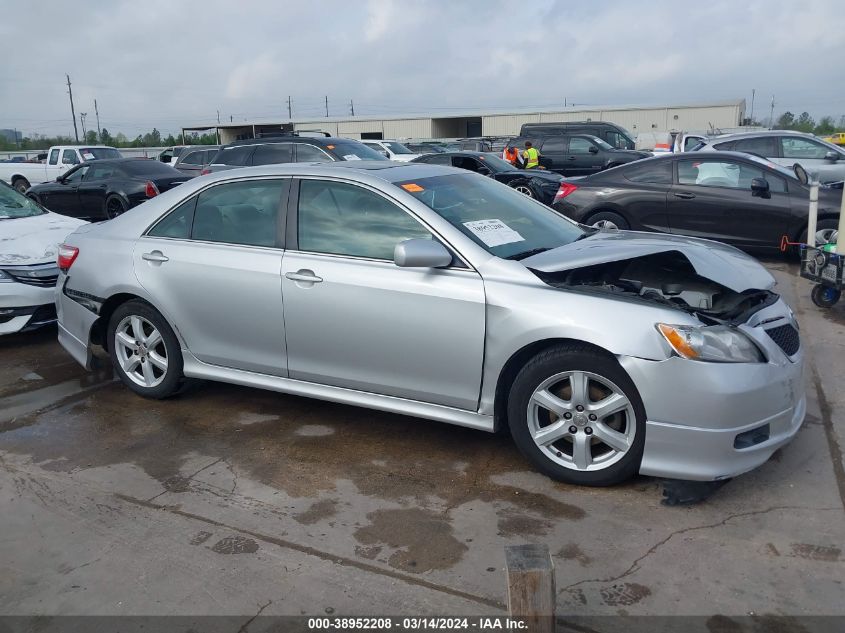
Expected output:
(518, 360)
(107, 309)
(609, 207)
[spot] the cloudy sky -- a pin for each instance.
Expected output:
(168, 63)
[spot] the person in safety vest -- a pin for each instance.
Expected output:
(531, 156)
(513, 156)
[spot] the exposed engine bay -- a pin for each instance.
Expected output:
(667, 278)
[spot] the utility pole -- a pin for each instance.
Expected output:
(772, 115)
(97, 112)
(751, 118)
(218, 117)
(327, 106)
(351, 108)
(231, 118)
(82, 116)
(72, 113)
(290, 110)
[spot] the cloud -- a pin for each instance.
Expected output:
(166, 64)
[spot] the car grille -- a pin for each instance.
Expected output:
(44, 276)
(786, 337)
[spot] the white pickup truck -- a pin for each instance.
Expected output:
(60, 158)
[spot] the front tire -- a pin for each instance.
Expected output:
(522, 187)
(20, 185)
(577, 416)
(144, 350)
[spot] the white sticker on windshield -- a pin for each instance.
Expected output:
(88, 156)
(351, 157)
(494, 232)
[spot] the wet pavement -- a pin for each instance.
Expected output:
(229, 500)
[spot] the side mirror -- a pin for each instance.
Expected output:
(801, 174)
(832, 156)
(760, 187)
(484, 171)
(165, 159)
(593, 149)
(420, 253)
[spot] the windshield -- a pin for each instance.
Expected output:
(601, 143)
(354, 151)
(15, 205)
(501, 220)
(397, 148)
(99, 153)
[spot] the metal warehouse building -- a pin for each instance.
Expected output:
(637, 119)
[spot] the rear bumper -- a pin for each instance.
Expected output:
(75, 323)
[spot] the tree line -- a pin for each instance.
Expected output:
(150, 139)
(805, 123)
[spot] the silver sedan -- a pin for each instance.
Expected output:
(433, 292)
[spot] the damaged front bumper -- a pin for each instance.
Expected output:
(24, 307)
(712, 421)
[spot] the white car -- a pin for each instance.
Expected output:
(393, 150)
(29, 240)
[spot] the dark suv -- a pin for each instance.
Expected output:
(289, 149)
(612, 134)
(577, 154)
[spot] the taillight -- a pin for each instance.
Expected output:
(564, 190)
(205, 172)
(151, 190)
(67, 255)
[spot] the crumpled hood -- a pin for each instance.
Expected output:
(713, 260)
(34, 240)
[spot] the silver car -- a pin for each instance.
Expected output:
(821, 159)
(437, 293)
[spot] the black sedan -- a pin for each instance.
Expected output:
(732, 197)
(103, 189)
(540, 184)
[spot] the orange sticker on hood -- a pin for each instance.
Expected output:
(412, 187)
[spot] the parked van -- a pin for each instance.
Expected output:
(610, 133)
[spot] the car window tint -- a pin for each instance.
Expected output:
(54, 157)
(764, 146)
(658, 172)
(239, 213)
(177, 223)
(69, 157)
(235, 156)
(554, 145)
(343, 219)
(691, 142)
(794, 147)
(194, 158)
(730, 174)
(466, 162)
(436, 159)
(579, 145)
(309, 154)
(77, 174)
(725, 147)
(273, 154)
(101, 172)
(616, 139)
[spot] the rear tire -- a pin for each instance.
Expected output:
(522, 187)
(601, 442)
(114, 206)
(20, 185)
(144, 350)
(609, 220)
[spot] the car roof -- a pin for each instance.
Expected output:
(118, 161)
(389, 171)
(312, 140)
(721, 138)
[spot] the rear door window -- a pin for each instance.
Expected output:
(273, 154)
(554, 146)
(658, 172)
(194, 158)
(243, 212)
(764, 146)
(579, 145)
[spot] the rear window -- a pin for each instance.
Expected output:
(145, 167)
(98, 153)
(235, 156)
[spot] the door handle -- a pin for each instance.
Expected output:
(306, 276)
(685, 195)
(571, 158)
(155, 256)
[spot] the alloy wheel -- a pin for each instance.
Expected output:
(605, 224)
(525, 190)
(140, 351)
(581, 421)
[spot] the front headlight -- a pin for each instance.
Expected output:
(713, 343)
(4, 276)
